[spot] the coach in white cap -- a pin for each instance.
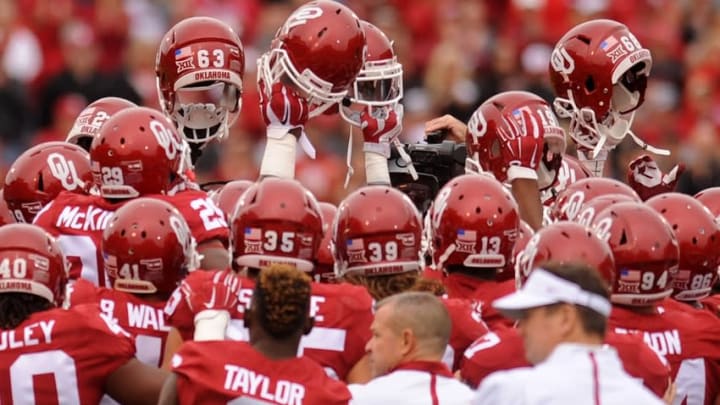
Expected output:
(562, 315)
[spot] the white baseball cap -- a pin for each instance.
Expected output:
(544, 288)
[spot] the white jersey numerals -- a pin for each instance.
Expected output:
(55, 362)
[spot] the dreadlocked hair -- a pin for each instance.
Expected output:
(16, 307)
(282, 295)
(385, 285)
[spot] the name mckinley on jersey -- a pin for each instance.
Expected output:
(88, 218)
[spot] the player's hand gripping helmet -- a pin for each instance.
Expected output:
(320, 49)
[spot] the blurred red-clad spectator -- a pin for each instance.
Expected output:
(66, 110)
(81, 74)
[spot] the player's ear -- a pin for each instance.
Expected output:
(309, 324)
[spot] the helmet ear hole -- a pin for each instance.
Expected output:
(590, 84)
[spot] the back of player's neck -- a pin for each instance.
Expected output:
(276, 349)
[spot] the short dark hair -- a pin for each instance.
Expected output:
(282, 299)
(16, 307)
(588, 279)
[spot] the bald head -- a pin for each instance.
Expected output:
(422, 313)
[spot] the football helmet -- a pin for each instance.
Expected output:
(32, 263)
(525, 232)
(227, 197)
(571, 170)
(41, 173)
(87, 125)
(147, 247)
(276, 221)
(698, 235)
(565, 242)
(138, 151)
(515, 134)
(200, 66)
(588, 210)
(645, 250)
(569, 201)
(377, 231)
(474, 223)
(379, 83)
(710, 197)
(324, 262)
(599, 72)
(320, 49)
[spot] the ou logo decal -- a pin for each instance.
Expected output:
(301, 16)
(166, 139)
(182, 233)
(562, 62)
(64, 170)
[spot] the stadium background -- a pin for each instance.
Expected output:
(58, 55)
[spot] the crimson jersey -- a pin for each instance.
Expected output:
(690, 340)
(712, 304)
(220, 372)
(205, 220)
(342, 313)
(78, 221)
(467, 325)
(503, 350)
(61, 356)
(483, 291)
(144, 319)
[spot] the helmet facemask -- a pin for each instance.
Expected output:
(206, 110)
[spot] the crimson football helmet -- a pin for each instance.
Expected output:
(588, 210)
(698, 236)
(147, 247)
(276, 221)
(320, 48)
(324, 262)
(565, 242)
(377, 231)
(33, 263)
(571, 170)
(515, 134)
(474, 223)
(200, 66)
(710, 197)
(570, 201)
(87, 125)
(645, 250)
(525, 232)
(379, 83)
(599, 72)
(41, 173)
(138, 151)
(229, 194)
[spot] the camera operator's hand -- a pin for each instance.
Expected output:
(456, 129)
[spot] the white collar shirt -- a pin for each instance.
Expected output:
(573, 374)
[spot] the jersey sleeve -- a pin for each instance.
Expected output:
(359, 323)
(467, 325)
(191, 364)
(490, 353)
(205, 219)
(81, 292)
(106, 339)
(46, 219)
(179, 316)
